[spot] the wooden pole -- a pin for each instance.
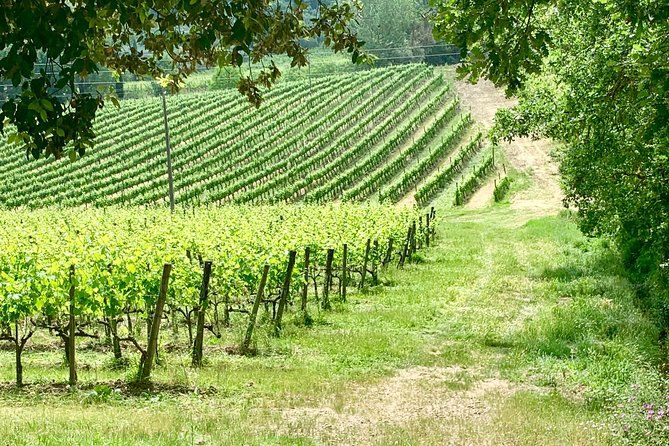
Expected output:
(168, 152)
(254, 312)
(375, 252)
(368, 247)
(284, 292)
(344, 273)
(152, 346)
(405, 250)
(305, 288)
(72, 327)
(328, 280)
(202, 308)
(389, 252)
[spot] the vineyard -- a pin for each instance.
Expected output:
(381, 134)
(111, 273)
(267, 223)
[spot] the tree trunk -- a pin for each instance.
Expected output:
(254, 312)
(72, 362)
(202, 308)
(285, 291)
(19, 350)
(305, 288)
(19, 367)
(116, 344)
(152, 347)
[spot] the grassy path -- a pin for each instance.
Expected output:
(508, 332)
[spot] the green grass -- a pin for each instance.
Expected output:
(532, 309)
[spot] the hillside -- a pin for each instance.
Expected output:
(371, 134)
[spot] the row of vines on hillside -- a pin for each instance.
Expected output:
(309, 141)
(371, 134)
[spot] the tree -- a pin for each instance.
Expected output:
(593, 75)
(388, 24)
(399, 31)
(159, 38)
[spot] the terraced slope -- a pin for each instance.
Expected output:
(373, 134)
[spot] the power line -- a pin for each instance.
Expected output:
(419, 56)
(321, 51)
(414, 47)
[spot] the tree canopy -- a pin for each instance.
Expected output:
(593, 75)
(46, 45)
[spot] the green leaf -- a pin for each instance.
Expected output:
(46, 105)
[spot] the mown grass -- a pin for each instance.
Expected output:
(533, 304)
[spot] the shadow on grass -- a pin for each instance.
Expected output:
(103, 389)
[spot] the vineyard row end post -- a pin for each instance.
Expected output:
(152, 346)
(254, 311)
(201, 309)
(284, 292)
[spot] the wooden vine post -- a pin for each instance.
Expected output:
(285, 290)
(433, 216)
(344, 273)
(305, 287)
(147, 365)
(427, 230)
(168, 155)
(368, 247)
(246, 343)
(202, 308)
(328, 280)
(375, 252)
(405, 250)
(389, 252)
(72, 327)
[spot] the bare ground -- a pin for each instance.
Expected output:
(412, 395)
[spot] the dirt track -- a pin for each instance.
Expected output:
(544, 196)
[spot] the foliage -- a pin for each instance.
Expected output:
(388, 24)
(472, 182)
(501, 189)
(500, 40)
(445, 177)
(74, 39)
(595, 76)
(397, 31)
(318, 64)
(381, 176)
(413, 175)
